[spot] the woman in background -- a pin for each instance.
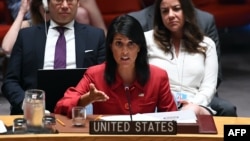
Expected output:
(177, 45)
(37, 16)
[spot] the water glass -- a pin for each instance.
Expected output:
(78, 116)
(19, 126)
(49, 123)
(34, 107)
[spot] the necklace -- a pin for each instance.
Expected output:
(179, 95)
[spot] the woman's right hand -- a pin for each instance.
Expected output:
(96, 95)
(25, 6)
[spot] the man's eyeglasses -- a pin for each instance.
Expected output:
(61, 1)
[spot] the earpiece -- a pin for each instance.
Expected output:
(46, 10)
(45, 5)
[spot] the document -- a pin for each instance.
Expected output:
(186, 116)
(136, 117)
(2, 127)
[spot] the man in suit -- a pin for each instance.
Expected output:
(35, 49)
(207, 25)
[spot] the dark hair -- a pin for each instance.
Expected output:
(192, 35)
(131, 28)
(36, 16)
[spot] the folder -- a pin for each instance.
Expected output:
(206, 124)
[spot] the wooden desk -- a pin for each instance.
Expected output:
(219, 121)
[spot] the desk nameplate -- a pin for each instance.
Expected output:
(205, 125)
(133, 127)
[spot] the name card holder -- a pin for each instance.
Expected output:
(133, 127)
(205, 125)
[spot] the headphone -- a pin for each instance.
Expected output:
(45, 5)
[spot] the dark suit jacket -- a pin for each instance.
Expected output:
(205, 22)
(28, 56)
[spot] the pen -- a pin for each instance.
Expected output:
(59, 121)
(98, 117)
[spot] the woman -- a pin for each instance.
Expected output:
(125, 83)
(37, 17)
(177, 45)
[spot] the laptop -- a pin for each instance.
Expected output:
(55, 83)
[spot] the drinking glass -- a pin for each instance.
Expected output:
(34, 107)
(49, 123)
(19, 126)
(78, 116)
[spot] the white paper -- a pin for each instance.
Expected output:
(2, 127)
(137, 117)
(186, 116)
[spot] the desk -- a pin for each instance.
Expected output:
(219, 121)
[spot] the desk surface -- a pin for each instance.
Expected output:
(219, 121)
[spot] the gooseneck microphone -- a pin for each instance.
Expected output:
(129, 101)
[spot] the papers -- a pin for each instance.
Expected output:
(137, 117)
(2, 127)
(186, 116)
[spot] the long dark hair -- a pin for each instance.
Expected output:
(192, 35)
(131, 28)
(36, 16)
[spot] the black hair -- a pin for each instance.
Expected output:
(131, 28)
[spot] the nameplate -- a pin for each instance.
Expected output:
(133, 127)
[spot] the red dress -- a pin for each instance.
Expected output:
(144, 99)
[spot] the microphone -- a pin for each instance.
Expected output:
(129, 101)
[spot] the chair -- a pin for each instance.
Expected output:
(5, 23)
(224, 11)
(5, 19)
(113, 8)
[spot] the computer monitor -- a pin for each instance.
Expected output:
(55, 82)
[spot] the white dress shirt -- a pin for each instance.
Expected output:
(189, 73)
(50, 46)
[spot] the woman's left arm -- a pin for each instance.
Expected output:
(208, 84)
